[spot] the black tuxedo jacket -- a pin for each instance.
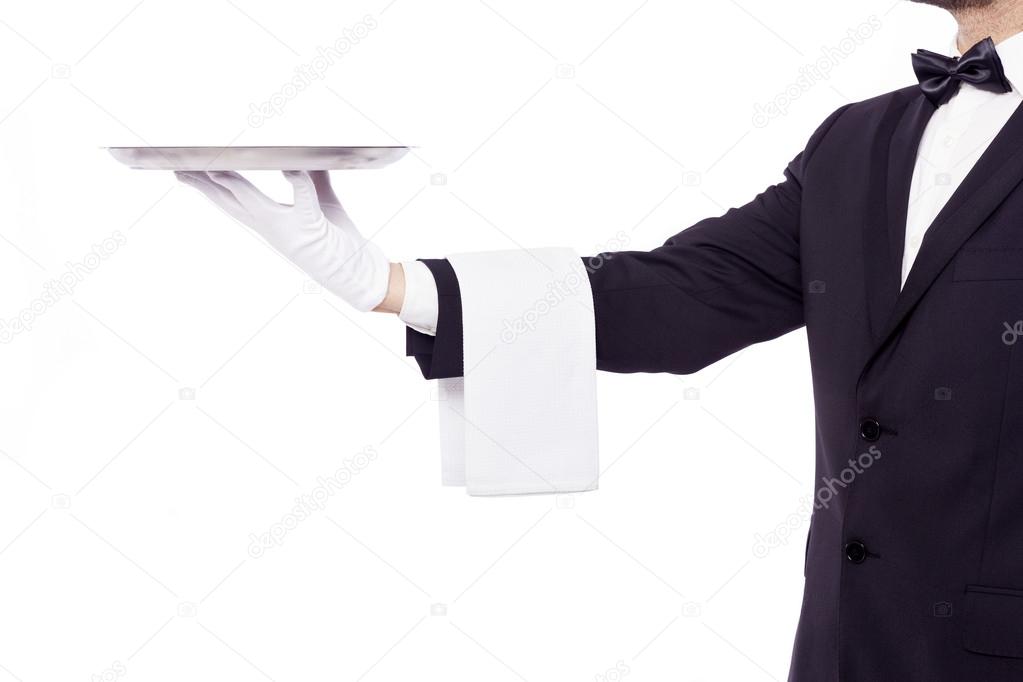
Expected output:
(914, 562)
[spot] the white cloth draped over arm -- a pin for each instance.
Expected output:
(523, 419)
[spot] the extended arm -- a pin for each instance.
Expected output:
(710, 290)
(713, 289)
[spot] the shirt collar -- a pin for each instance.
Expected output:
(1010, 51)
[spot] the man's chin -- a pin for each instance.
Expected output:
(956, 5)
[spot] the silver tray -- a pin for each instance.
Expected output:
(256, 158)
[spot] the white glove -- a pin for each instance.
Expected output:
(314, 233)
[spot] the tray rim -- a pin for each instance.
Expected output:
(257, 157)
(263, 146)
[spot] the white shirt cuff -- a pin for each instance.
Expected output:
(419, 310)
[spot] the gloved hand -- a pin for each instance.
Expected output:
(314, 233)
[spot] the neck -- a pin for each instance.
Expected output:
(999, 20)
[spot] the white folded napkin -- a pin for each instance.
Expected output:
(524, 417)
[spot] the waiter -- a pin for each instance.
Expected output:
(896, 239)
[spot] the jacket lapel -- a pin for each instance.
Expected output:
(894, 154)
(998, 171)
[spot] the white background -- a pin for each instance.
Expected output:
(192, 384)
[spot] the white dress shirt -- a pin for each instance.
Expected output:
(419, 309)
(955, 138)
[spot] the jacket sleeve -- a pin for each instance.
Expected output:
(709, 291)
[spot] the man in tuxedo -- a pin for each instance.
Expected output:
(896, 239)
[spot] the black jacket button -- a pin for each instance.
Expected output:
(870, 430)
(856, 552)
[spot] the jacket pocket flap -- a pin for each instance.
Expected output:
(975, 265)
(993, 621)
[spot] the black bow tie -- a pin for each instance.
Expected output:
(940, 76)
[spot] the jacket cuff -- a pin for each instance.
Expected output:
(440, 356)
